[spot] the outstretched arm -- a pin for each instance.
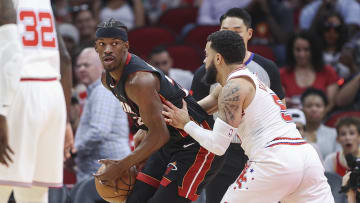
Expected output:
(235, 96)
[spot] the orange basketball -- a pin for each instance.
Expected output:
(124, 187)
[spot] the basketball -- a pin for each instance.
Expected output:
(124, 186)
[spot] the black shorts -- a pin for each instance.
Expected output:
(184, 163)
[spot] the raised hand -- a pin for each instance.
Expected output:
(174, 116)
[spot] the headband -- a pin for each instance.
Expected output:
(111, 32)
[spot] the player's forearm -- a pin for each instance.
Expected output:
(152, 142)
(66, 74)
(216, 141)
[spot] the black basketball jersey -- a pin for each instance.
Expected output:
(169, 90)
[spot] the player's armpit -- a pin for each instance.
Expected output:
(235, 96)
(142, 88)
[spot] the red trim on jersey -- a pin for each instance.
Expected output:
(128, 58)
(287, 143)
(38, 79)
(286, 138)
(241, 67)
(196, 174)
(339, 169)
(148, 179)
(165, 182)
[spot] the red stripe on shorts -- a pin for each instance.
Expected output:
(148, 179)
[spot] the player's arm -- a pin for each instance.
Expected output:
(10, 69)
(210, 102)
(142, 88)
(66, 82)
(235, 96)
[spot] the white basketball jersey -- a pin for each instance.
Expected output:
(37, 32)
(265, 118)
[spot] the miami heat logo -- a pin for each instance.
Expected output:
(171, 167)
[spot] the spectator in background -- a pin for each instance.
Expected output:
(305, 68)
(312, 13)
(314, 102)
(121, 10)
(210, 11)
(348, 136)
(155, 8)
(160, 58)
(299, 119)
(273, 22)
(85, 22)
(349, 94)
(70, 35)
(103, 129)
(333, 35)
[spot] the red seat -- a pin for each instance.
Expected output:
(262, 50)
(177, 18)
(143, 39)
(331, 121)
(186, 57)
(199, 34)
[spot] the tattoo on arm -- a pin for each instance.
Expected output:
(229, 102)
(7, 12)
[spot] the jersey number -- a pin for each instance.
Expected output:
(39, 29)
(278, 102)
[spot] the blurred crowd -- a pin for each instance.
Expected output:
(315, 44)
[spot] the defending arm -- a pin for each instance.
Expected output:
(216, 141)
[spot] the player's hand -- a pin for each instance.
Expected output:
(174, 116)
(113, 171)
(69, 142)
(138, 137)
(5, 150)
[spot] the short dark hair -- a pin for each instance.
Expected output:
(347, 121)
(157, 50)
(315, 50)
(238, 13)
(314, 91)
(229, 44)
(112, 23)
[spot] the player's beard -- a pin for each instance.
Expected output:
(210, 75)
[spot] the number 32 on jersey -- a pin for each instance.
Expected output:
(37, 28)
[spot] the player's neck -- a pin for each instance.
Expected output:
(117, 73)
(226, 72)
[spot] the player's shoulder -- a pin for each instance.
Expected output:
(265, 63)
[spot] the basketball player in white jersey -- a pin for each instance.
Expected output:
(32, 101)
(282, 166)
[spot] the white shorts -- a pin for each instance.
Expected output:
(36, 123)
(286, 173)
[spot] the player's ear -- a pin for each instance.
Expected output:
(218, 58)
(250, 33)
(127, 45)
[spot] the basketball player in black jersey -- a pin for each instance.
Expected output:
(177, 167)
